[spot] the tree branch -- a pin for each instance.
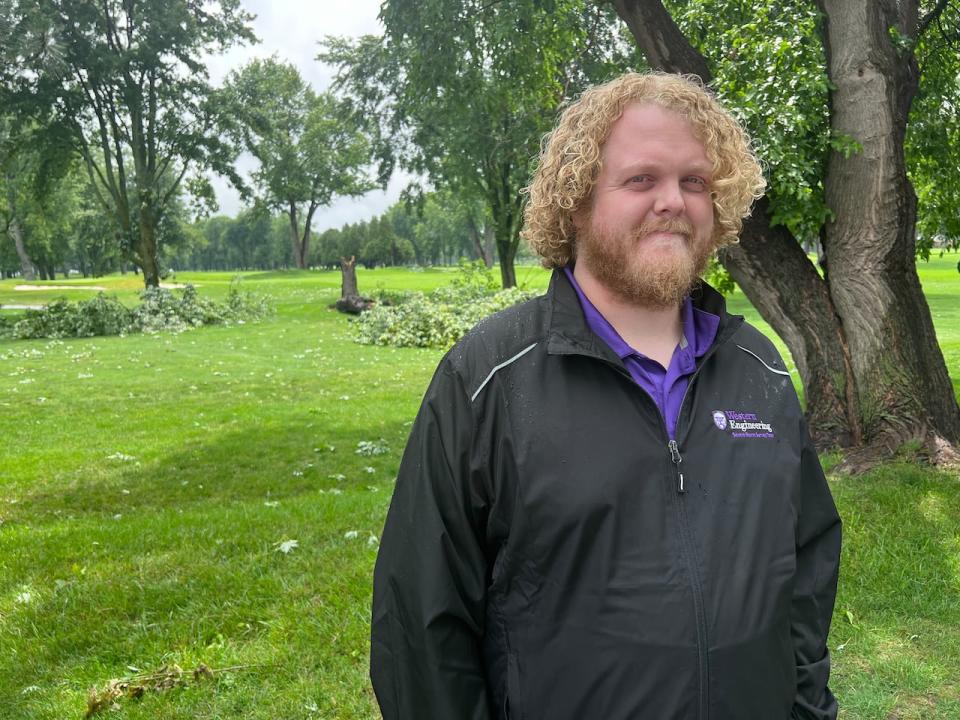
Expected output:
(660, 40)
(932, 16)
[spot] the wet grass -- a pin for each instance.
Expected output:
(148, 486)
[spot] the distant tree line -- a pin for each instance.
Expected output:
(436, 232)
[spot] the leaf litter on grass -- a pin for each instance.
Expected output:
(134, 687)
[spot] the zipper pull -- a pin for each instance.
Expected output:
(675, 457)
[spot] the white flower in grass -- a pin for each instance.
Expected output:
(335, 491)
(373, 540)
(337, 476)
(271, 503)
(351, 535)
(369, 470)
(287, 546)
(24, 597)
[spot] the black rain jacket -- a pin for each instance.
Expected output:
(550, 554)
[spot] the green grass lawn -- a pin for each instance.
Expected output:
(148, 485)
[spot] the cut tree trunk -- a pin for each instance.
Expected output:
(348, 277)
(862, 340)
(351, 301)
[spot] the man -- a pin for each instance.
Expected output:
(609, 507)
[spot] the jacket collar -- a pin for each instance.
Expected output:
(569, 333)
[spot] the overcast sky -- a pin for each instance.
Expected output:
(292, 29)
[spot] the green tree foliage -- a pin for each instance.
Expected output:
(308, 151)
(254, 240)
(933, 134)
(852, 104)
(466, 88)
(123, 85)
(769, 69)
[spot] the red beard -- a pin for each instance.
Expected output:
(640, 270)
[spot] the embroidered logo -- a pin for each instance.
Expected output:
(742, 424)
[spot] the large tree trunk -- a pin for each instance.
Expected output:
(16, 232)
(26, 264)
(858, 390)
(508, 273)
(904, 391)
(482, 241)
(147, 253)
(294, 234)
(507, 215)
(796, 302)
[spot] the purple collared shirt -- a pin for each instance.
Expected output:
(665, 385)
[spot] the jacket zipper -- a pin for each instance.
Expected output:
(675, 457)
(687, 543)
(689, 548)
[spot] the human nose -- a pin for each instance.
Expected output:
(669, 200)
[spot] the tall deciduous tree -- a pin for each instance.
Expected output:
(126, 81)
(309, 151)
(466, 89)
(861, 333)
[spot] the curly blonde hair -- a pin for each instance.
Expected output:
(570, 158)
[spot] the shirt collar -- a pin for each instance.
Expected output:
(699, 326)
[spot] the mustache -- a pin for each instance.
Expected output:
(670, 225)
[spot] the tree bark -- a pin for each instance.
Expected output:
(16, 232)
(508, 273)
(26, 264)
(348, 282)
(903, 390)
(868, 368)
(781, 282)
(482, 241)
(147, 252)
(294, 233)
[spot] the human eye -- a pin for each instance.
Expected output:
(695, 183)
(641, 180)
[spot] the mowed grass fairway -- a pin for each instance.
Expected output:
(150, 484)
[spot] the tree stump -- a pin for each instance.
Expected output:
(351, 301)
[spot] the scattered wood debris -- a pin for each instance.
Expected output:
(134, 687)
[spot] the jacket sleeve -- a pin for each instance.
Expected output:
(815, 589)
(429, 585)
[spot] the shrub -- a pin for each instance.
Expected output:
(440, 318)
(6, 326)
(159, 310)
(101, 315)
